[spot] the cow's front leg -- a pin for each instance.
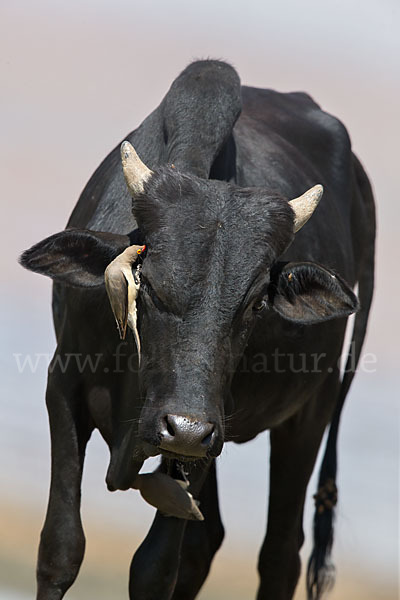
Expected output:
(155, 566)
(294, 448)
(62, 540)
(201, 541)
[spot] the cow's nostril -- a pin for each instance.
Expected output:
(206, 441)
(169, 426)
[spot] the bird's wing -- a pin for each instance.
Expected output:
(123, 289)
(117, 290)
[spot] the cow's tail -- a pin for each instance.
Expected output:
(320, 570)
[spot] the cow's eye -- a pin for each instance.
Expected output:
(259, 305)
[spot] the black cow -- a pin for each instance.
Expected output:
(241, 321)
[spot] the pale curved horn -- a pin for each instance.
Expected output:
(305, 205)
(135, 170)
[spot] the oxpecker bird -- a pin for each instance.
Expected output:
(122, 288)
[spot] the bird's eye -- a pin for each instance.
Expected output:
(259, 305)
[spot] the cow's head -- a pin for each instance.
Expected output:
(210, 270)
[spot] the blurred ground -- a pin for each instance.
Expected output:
(105, 571)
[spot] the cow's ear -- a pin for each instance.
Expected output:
(309, 293)
(76, 257)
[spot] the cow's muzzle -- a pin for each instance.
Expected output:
(181, 435)
(184, 436)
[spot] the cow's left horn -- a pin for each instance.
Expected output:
(305, 205)
(135, 170)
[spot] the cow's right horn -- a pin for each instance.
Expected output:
(135, 170)
(304, 206)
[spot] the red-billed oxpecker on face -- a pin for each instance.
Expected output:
(122, 287)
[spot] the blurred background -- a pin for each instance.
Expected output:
(75, 78)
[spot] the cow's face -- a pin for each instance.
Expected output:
(209, 271)
(204, 280)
